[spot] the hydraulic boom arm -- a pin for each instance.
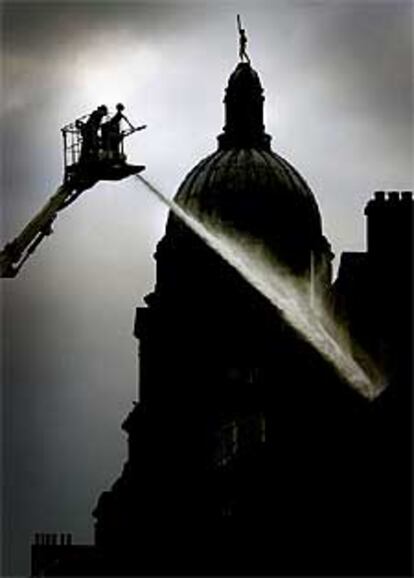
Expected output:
(17, 251)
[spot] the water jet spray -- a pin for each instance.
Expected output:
(289, 296)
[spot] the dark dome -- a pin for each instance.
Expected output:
(255, 191)
(249, 188)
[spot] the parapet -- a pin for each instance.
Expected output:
(386, 199)
(52, 539)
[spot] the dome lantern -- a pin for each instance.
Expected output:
(243, 102)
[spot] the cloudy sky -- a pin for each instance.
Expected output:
(339, 105)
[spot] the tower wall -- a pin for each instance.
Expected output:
(390, 225)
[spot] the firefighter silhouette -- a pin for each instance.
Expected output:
(89, 131)
(112, 134)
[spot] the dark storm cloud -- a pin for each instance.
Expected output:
(41, 28)
(360, 52)
(37, 26)
(360, 44)
(338, 86)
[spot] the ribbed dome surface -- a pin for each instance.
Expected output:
(257, 192)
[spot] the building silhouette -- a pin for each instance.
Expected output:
(247, 452)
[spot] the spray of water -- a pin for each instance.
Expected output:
(289, 296)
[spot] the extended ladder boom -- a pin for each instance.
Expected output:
(17, 251)
(93, 152)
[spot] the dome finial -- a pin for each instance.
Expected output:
(242, 42)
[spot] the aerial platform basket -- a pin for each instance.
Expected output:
(106, 163)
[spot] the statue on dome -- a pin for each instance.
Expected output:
(242, 42)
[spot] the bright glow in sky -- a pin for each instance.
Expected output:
(105, 70)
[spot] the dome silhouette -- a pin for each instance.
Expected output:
(249, 189)
(256, 193)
